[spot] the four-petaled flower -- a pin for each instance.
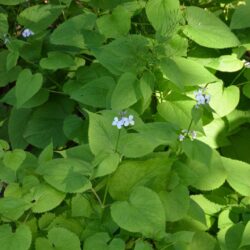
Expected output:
(201, 97)
(123, 121)
(27, 33)
(185, 133)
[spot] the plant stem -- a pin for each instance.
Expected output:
(238, 76)
(97, 197)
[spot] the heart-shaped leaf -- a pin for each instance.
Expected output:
(143, 213)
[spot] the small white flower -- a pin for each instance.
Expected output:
(117, 122)
(201, 97)
(27, 33)
(129, 121)
(246, 63)
(181, 137)
(193, 134)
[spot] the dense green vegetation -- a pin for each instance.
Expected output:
(124, 125)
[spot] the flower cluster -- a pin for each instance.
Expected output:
(185, 133)
(123, 121)
(246, 64)
(27, 33)
(201, 97)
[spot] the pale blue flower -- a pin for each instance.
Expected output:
(27, 33)
(128, 121)
(201, 97)
(181, 137)
(118, 123)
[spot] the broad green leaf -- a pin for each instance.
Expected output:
(46, 123)
(14, 159)
(246, 89)
(184, 72)
(125, 93)
(164, 15)
(66, 175)
(71, 32)
(18, 240)
(124, 54)
(45, 198)
(11, 2)
(175, 202)
(99, 241)
(178, 112)
(202, 240)
(4, 26)
(75, 128)
(12, 60)
(240, 18)
(45, 220)
(13, 208)
(27, 86)
(57, 60)
(206, 165)
(246, 236)
(223, 100)
(46, 154)
(107, 165)
(39, 17)
(238, 174)
(102, 135)
(119, 20)
(142, 213)
(59, 239)
(17, 123)
(233, 236)
(153, 172)
(147, 138)
(225, 63)
(80, 206)
(208, 30)
(140, 245)
(95, 93)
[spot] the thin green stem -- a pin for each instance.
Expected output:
(106, 191)
(189, 127)
(117, 140)
(97, 197)
(238, 76)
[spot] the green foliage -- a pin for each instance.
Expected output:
(124, 125)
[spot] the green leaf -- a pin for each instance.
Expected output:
(225, 63)
(178, 112)
(140, 245)
(57, 60)
(4, 26)
(153, 172)
(246, 236)
(238, 174)
(147, 138)
(124, 54)
(45, 198)
(80, 206)
(223, 100)
(71, 32)
(46, 123)
(184, 72)
(246, 89)
(102, 135)
(66, 175)
(99, 241)
(12, 60)
(13, 208)
(206, 164)
(14, 159)
(95, 93)
(59, 239)
(39, 17)
(119, 20)
(175, 202)
(202, 240)
(240, 18)
(142, 213)
(108, 164)
(125, 93)
(164, 15)
(46, 154)
(18, 240)
(11, 2)
(27, 86)
(208, 30)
